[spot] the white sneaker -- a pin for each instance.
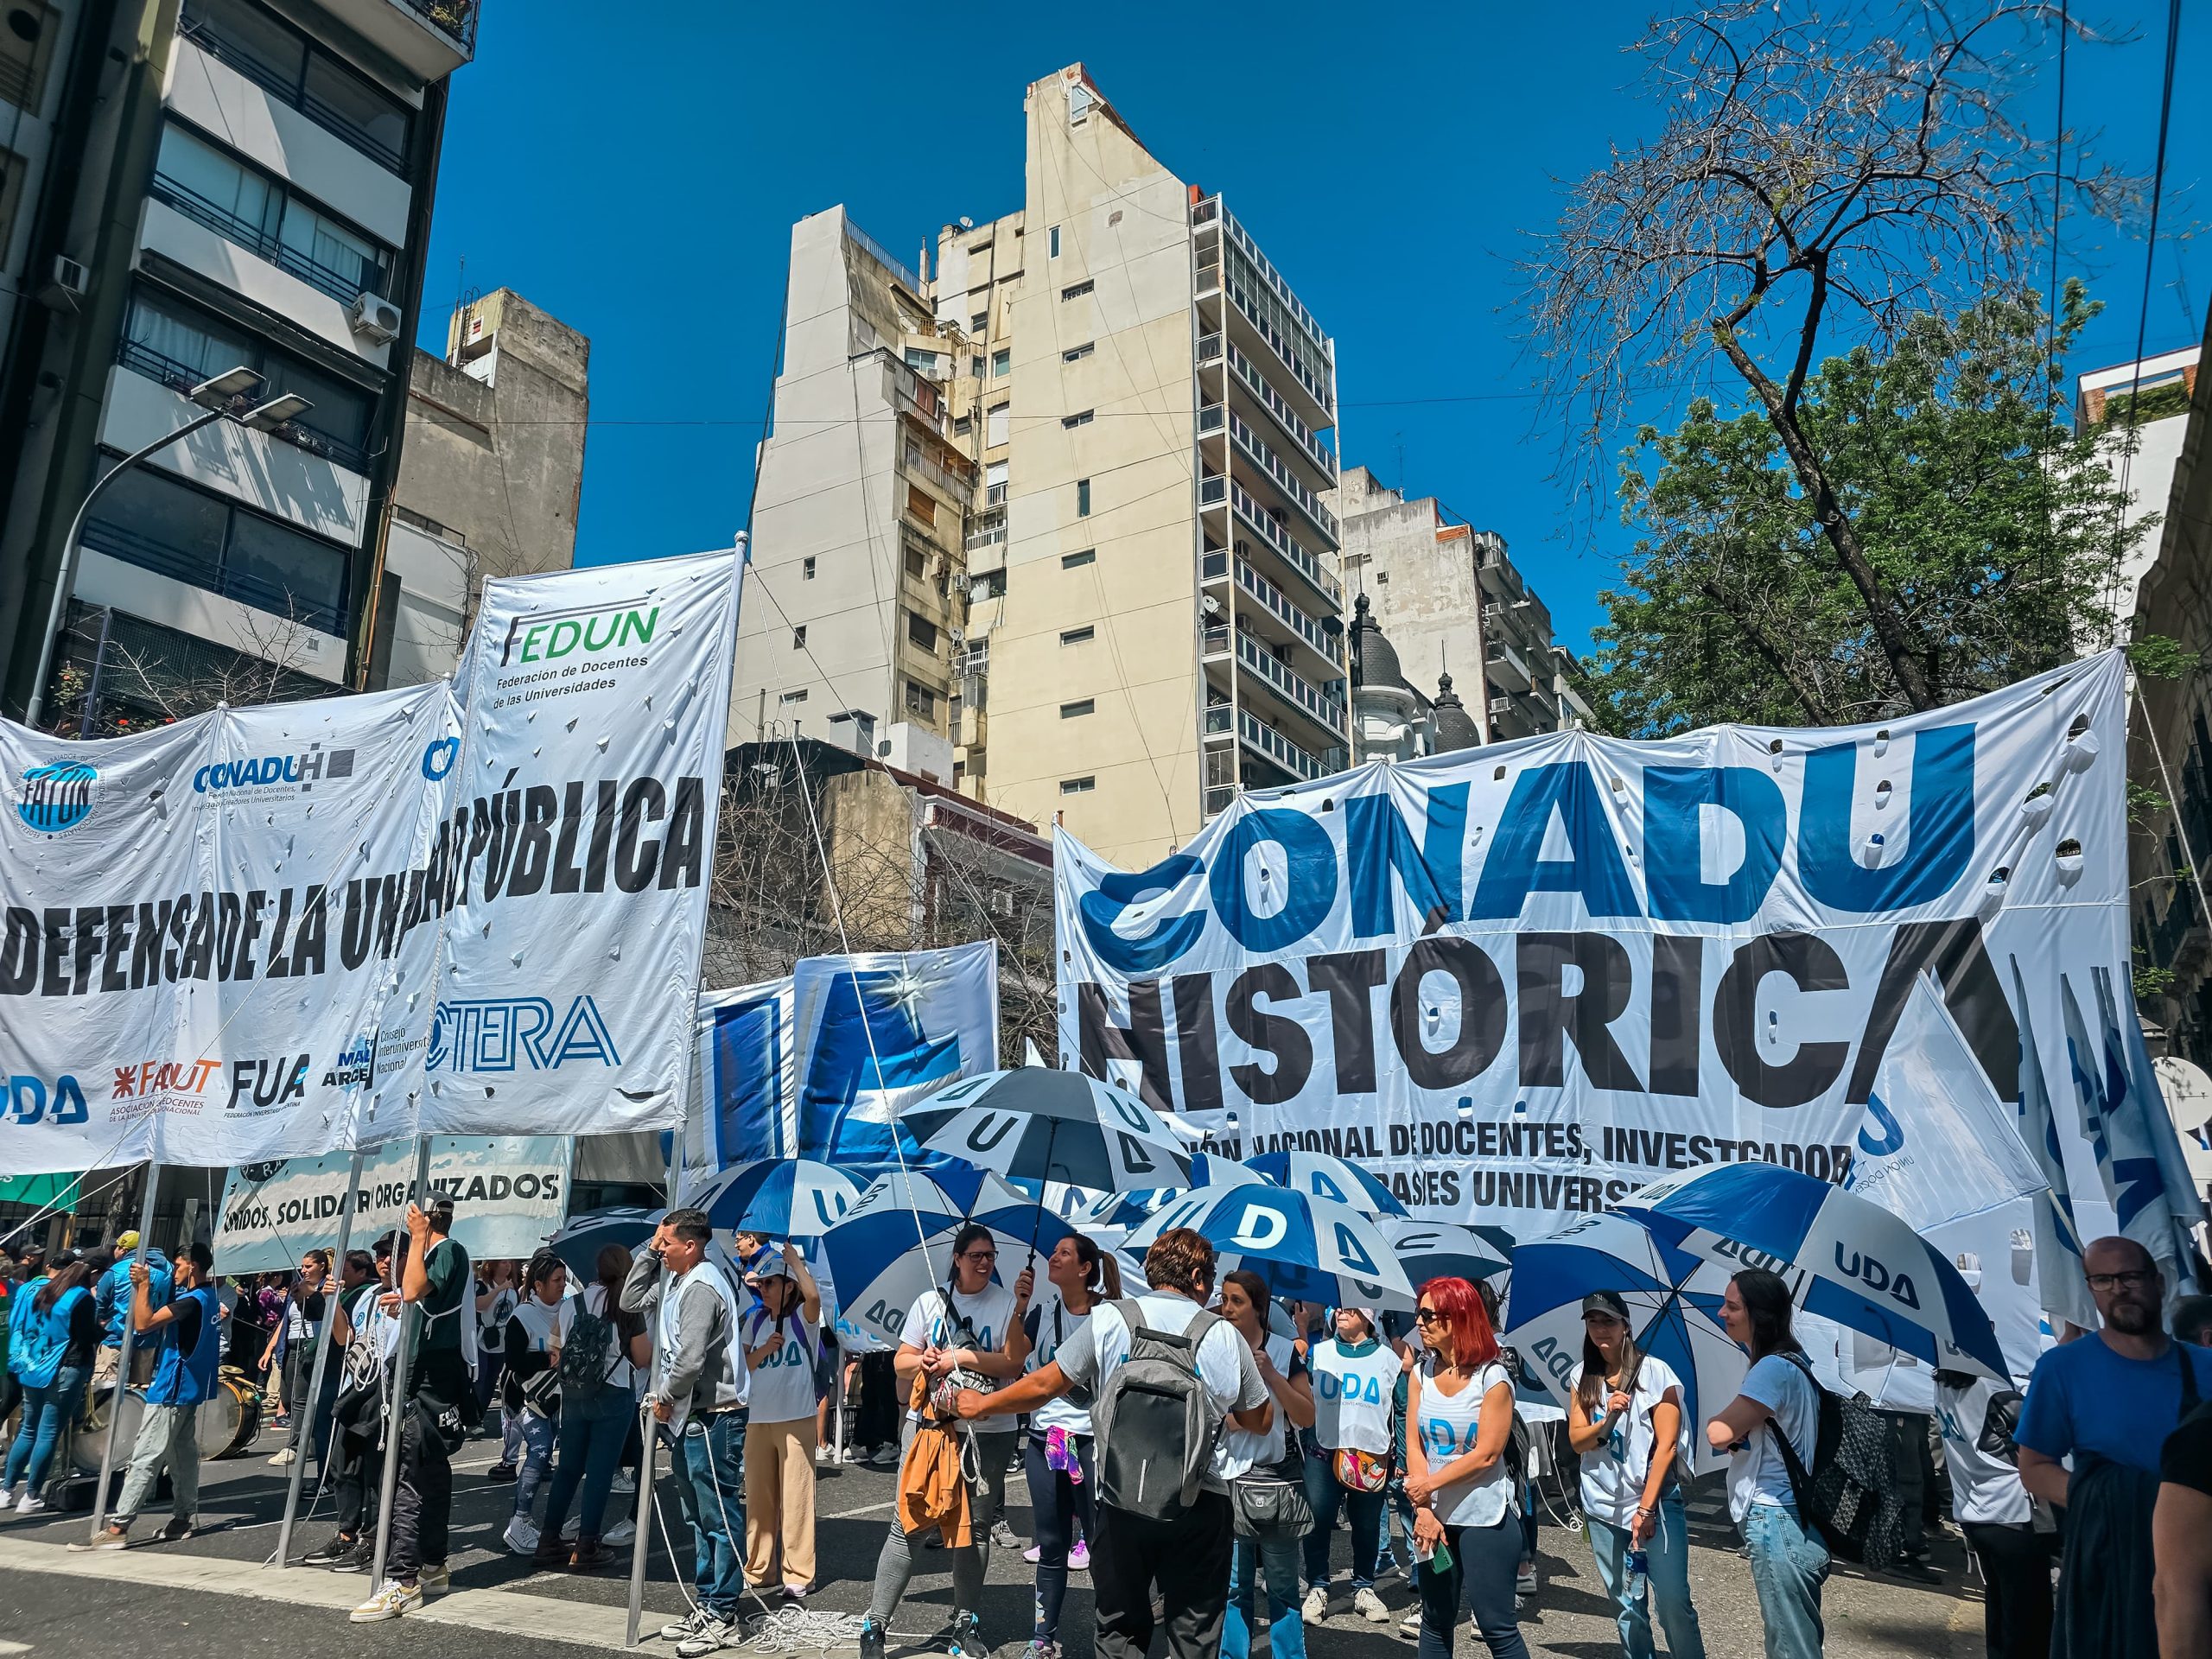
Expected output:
(521, 1537)
(1316, 1609)
(30, 1504)
(283, 1459)
(8, 1497)
(1524, 1582)
(394, 1599)
(619, 1534)
(1369, 1606)
(825, 1454)
(711, 1637)
(1410, 1626)
(690, 1624)
(624, 1482)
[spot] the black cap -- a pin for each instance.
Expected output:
(1605, 1301)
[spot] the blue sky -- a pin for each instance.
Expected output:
(637, 172)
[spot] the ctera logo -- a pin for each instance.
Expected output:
(553, 635)
(56, 797)
(497, 1034)
(290, 771)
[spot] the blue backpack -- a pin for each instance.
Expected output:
(42, 1338)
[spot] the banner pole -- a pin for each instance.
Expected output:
(321, 1365)
(649, 1446)
(123, 1360)
(392, 1424)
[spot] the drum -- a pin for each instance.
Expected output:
(90, 1438)
(229, 1419)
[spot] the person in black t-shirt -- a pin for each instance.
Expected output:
(2181, 1540)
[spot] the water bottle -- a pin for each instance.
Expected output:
(1639, 1574)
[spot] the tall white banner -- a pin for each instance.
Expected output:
(581, 838)
(214, 945)
(1519, 981)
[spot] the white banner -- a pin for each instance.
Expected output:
(1518, 981)
(214, 949)
(509, 1192)
(583, 810)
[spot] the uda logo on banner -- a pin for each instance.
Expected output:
(56, 797)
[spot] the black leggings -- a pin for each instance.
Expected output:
(2016, 1593)
(1054, 1500)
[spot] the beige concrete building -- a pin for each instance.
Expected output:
(2149, 403)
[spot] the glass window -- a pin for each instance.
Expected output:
(152, 521)
(249, 39)
(808, 571)
(1081, 418)
(188, 342)
(798, 696)
(1079, 354)
(1076, 561)
(1083, 498)
(1053, 237)
(1076, 709)
(921, 700)
(1077, 785)
(342, 411)
(1077, 290)
(1001, 362)
(213, 179)
(994, 426)
(337, 97)
(323, 242)
(799, 638)
(1078, 636)
(921, 630)
(276, 569)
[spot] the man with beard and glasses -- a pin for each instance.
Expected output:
(2109, 1400)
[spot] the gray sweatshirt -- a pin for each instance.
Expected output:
(704, 1363)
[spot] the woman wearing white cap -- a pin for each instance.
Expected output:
(1624, 1415)
(1353, 1373)
(782, 1336)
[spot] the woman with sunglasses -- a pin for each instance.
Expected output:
(1460, 1410)
(1624, 1416)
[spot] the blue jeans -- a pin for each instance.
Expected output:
(1788, 1566)
(1669, 1547)
(709, 1469)
(537, 1433)
(1326, 1494)
(47, 1412)
(1276, 1560)
(593, 1433)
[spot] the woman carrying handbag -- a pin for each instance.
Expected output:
(1267, 1481)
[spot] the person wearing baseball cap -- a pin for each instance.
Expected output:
(782, 1336)
(111, 1300)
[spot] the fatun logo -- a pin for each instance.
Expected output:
(56, 797)
(550, 636)
(291, 771)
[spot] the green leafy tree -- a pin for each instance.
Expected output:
(1987, 530)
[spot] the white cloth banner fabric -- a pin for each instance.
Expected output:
(509, 1192)
(1520, 981)
(214, 949)
(586, 786)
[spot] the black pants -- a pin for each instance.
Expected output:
(1055, 1504)
(421, 1508)
(2016, 1600)
(350, 1488)
(1187, 1557)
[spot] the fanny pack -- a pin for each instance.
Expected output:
(1268, 1509)
(1359, 1471)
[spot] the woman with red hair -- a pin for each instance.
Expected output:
(1460, 1410)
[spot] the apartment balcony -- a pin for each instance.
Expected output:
(432, 38)
(1300, 695)
(1302, 436)
(1280, 474)
(1298, 565)
(1265, 741)
(988, 529)
(1283, 623)
(1507, 667)
(1220, 721)
(1209, 349)
(1500, 580)
(916, 395)
(956, 489)
(1214, 640)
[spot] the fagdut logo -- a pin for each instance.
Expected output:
(53, 799)
(292, 773)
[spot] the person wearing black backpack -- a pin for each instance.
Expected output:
(1166, 1377)
(1779, 1398)
(606, 1352)
(537, 1332)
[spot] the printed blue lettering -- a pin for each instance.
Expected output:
(1940, 842)
(1309, 877)
(1672, 841)
(1514, 868)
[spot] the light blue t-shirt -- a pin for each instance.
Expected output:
(2084, 1397)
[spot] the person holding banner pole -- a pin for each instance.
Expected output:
(122, 1368)
(321, 1429)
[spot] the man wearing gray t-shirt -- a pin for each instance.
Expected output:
(1187, 1555)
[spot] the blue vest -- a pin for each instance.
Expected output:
(183, 1379)
(40, 1340)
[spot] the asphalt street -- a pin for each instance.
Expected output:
(214, 1594)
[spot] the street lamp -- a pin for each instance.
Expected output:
(221, 398)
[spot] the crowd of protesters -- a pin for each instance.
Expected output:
(2085, 1500)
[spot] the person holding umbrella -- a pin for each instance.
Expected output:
(1626, 1418)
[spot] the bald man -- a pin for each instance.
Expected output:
(2108, 1400)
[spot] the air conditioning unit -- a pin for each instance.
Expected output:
(373, 317)
(65, 291)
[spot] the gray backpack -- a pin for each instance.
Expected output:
(1155, 1423)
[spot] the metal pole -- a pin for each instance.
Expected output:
(66, 577)
(392, 1424)
(100, 665)
(649, 1451)
(321, 1364)
(123, 1360)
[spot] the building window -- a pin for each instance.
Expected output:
(920, 700)
(1083, 498)
(921, 630)
(247, 207)
(806, 570)
(923, 362)
(979, 323)
(1079, 707)
(799, 638)
(917, 563)
(963, 425)
(1054, 237)
(1077, 290)
(26, 50)
(921, 504)
(789, 697)
(981, 251)
(1081, 417)
(1002, 363)
(1077, 785)
(994, 426)
(1077, 560)
(990, 584)
(1078, 636)
(995, 484)
(280, 60)
(1079, 353)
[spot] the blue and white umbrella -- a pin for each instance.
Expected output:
(1437, 1250)
(1035, 1123)
(1334, 1179)
(895, 1246)
(1309, 1248)
(1846, 1259)
(579, 1240)
(1674, 1303)
(783, 1198)
(1133, 1209)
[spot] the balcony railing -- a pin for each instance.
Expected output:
(1219, 798)
(1288, 481)
(1212, 491)
(1280, 289)
(181, 377)
(1215, 640)
(455, 18)
(1281, 750)
(1209, 349)
(1511, 665)
(875, 250)
(920, 466)
(990, 530)
(1213, 565)
(1329, 645)
(1219, 718)
(1300, 432)
(1257, 314)
(1204, 213)
(368, 278)
(286, 85)
(149, 553)
(1210, 417)
(1294, 686)
(1286, 543)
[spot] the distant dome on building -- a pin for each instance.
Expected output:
(1374, 661)
(1454, 727)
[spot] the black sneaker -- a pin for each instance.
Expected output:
(968, 1637)
(329, 1554)
(178, 1531)
(871, 1639)
(359, 1559)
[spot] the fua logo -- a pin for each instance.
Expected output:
(57, 797)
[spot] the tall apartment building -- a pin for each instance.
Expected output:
(1453, 602)
(229, 184)
(854, 601)
(1058, 506)
(490, 477)
(2149, 402)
